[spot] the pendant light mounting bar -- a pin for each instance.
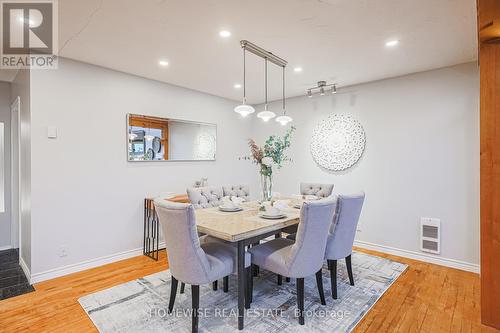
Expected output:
(260, 52)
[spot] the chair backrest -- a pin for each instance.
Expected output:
(240, 191)
(343, 228)
(205, 197)
(307, 254)
(320, 190)
(186, 259)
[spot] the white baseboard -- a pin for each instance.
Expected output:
(3, 248)
(433, 259)
(92, 263)
(25, 269)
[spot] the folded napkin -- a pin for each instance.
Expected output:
(281, 204)
(237, 201)
(231, 202)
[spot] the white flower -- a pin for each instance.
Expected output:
(267, 161)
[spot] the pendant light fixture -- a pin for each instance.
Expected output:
(284, 119)
(244, 109)
(266, 115)
(148, 136)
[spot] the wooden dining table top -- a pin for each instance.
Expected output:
(236, 226)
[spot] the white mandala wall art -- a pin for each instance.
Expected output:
(338, 142)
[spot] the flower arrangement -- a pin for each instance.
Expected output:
(272, 153)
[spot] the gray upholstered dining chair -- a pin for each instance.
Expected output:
(341, 235)
(205, 197)
(240, 191)
(191, 262)
(319, 190)
(301, 258)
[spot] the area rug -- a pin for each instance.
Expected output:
(140, 305)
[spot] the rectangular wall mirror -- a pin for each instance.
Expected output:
(165, 139)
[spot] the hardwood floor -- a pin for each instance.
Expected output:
(426, 298)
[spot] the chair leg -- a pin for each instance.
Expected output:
(226, 284)
(287, 279)
(332, 266)
(300, 299)
(280, 280)
(214, 285)
(255, 270)
(248, 297)
(319, 282)
(183, 285)
(173, 292)
(349, 269)
(195, 299)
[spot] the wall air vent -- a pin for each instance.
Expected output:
(430, 235)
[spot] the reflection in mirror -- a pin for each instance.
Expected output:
(165, 139)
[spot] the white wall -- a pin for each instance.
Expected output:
(421, 158)
(5, 223)
(21, 86)
(85, 194)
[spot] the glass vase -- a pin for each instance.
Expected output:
(266, 183)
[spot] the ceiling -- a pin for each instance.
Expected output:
(340, 41)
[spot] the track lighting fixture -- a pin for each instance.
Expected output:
(322, 88)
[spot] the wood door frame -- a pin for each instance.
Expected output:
(489, 61)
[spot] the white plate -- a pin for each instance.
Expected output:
(227, 209)
(272, 217)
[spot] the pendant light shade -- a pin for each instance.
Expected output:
(266, 115)
(244, 109)
(284, 119)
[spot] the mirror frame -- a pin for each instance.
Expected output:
(174, 119)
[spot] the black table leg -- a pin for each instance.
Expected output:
(241, 284)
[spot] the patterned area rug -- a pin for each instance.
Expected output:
(140, 305)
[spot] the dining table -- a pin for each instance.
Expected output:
(243, 228)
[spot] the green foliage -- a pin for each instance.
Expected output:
(275, 147)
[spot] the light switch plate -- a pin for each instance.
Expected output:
(52, 132)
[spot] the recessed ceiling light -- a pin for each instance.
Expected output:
(237, 86)
(163, 63)
(225, 33)
(297, 69)
(392, 43)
